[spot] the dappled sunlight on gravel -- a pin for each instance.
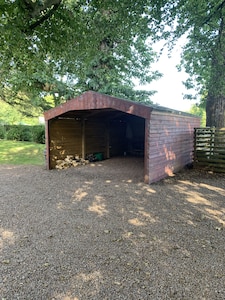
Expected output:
(98, 232)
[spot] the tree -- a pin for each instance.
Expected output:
(64, 47)
(12, 115)
(33, 56)
(203, 22)
(118, 60)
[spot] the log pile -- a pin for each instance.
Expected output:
(70, 161)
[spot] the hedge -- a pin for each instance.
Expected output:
(34, 134)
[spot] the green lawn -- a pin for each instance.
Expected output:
(21, 153)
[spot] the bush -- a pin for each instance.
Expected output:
(2, 132)
(13, 133)
(19, 133)
(25, 133)
(39, 134)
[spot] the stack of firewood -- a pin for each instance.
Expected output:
(70, 161)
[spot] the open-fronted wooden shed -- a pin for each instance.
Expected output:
(96, 123)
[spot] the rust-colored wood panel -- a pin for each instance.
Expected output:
(170, 144)
(93, 100)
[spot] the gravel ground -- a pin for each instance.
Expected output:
(98, 232)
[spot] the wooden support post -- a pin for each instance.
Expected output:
(107, 136)
(146, 151)
(47, 147)
(83, 142)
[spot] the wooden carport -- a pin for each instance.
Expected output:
(93, 122)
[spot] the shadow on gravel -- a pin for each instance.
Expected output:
(96, 233)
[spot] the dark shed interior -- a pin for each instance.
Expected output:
(107, 131)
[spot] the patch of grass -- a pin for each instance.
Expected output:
(21, 153)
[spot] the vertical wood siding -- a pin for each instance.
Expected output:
(95, 136)
(170, 143)
(65, 139)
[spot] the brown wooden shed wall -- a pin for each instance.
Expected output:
(95, 137)
(170, 143)
(65, 139)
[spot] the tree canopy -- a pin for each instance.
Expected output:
(203, 24)
(66, 47)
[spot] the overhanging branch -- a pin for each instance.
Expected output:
(218, 8)
(45, 17)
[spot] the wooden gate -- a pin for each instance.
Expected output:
(209, 148)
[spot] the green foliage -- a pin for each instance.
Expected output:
(62, 42)
(19, 133)
(62, 48)
(199, 111)
(2, 132)
(111, 72)
(38, 134)
(203, 58)
(13, 133)
(23, 133)
(120, 57)
(12, 113)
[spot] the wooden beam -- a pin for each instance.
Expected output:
(83, 141)
(47, 148)
(107, 138)
(146, 151)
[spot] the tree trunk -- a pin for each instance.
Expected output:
(215, 111)
(215, 105)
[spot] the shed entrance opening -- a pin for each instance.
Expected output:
(109, 132)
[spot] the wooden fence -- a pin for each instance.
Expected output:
(209, 148)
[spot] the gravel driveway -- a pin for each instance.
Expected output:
(98, 232)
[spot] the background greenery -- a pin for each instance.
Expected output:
(53, 50)
(34, 134)
(10, 114)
